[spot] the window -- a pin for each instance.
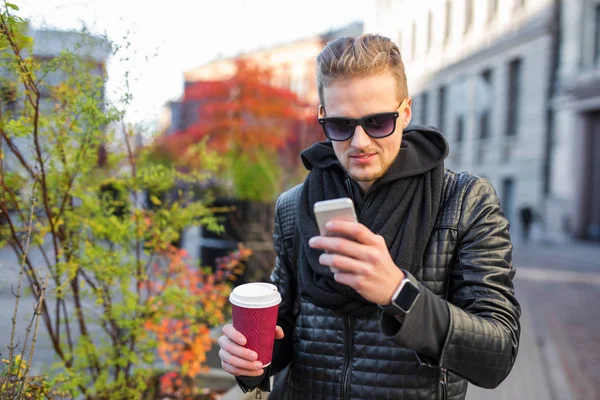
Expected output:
(419, 109)
(448, 24)
(486, 98)
(441, 108)
(484, 124)
(486, 76)
(492, 9)
(457, 104)
(514, 96)
(424, 107)
(460, 128)
(413, 47)
(429, 30)
(597, 33)
(468, 15)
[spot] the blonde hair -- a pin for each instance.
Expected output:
(352, 57)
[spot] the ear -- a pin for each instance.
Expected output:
(406, 112)
(321, 111)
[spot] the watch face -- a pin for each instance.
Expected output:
(407, 296)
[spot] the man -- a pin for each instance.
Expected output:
(527, 217)
(416, 298)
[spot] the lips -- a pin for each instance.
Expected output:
(363, 158)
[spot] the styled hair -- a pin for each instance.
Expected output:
(354, 57)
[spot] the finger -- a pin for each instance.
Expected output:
(347, 279)
(235, 349)
(279, 334)
(236, 371)
(234, 335)
(353, 230)
(341, 246)
(339, 263)
(238, 362)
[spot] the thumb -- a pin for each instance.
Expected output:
(279, 332)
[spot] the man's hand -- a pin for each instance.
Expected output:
(235, 358)
(359, 259)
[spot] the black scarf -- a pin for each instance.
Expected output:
(401, 206)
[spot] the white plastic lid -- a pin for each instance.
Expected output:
(255, 295)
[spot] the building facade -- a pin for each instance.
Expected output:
(481, 71)
(48, 44)
(573, 203)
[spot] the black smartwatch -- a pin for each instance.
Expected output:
(404, 297)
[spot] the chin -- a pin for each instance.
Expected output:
(365, 176)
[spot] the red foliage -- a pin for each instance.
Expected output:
(305, 132)
(245, 111)
(182, 330)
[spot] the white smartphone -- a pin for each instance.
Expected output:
(327, 210)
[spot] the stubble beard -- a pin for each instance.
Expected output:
(374, 176)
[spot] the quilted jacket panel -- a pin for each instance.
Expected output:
(467, 265)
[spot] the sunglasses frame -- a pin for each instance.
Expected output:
(354, 122)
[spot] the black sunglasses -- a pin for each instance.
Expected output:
(377, 126)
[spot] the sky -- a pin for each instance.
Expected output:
(170, 36)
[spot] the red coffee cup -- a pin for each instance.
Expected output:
(254, 308)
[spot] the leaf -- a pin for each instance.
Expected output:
(155, 200)
(13, 6)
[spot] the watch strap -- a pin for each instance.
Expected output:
(394, 311)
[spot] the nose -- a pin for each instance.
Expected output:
(360, 140)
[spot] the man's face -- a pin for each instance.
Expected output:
(364, 158)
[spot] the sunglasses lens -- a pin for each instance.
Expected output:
(380, 125)
(338, 129)
(376, 126)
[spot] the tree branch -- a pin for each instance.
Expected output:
(35, 318)
(15, 202)
(95, 367)
(28, 83)
(20, 282)
(63, 303)
(138, 244)
(80, 155)
(33, 283)
(31, 87)
(17, 153)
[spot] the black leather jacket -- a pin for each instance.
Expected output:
(467, 266)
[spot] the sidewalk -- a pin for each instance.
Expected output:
(537, 373)
(558, 255)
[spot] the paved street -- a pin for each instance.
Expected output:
(559, 358)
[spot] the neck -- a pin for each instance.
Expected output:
(364, 186)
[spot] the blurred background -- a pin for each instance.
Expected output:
(514, 85)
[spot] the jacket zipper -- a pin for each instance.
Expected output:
(444, 383)
(348, 357)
